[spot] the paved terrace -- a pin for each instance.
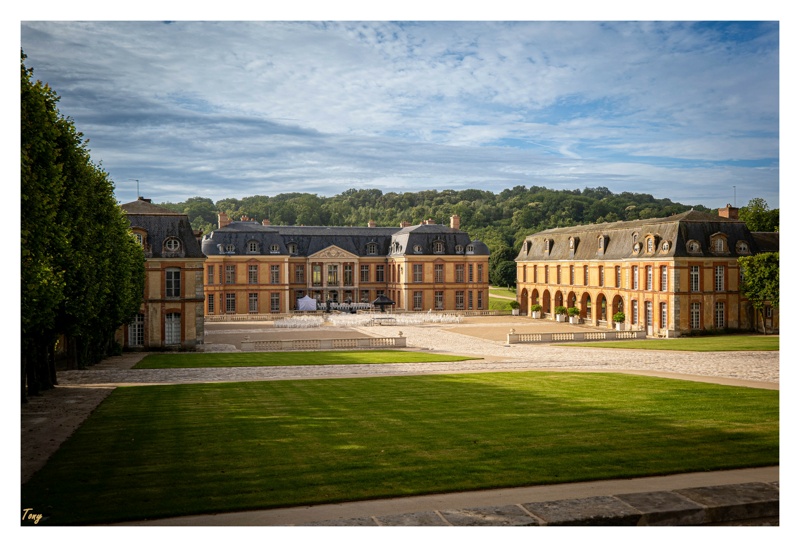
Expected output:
(740, 496)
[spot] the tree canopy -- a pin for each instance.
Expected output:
(82, 271)
(760, 281)
(759, 217)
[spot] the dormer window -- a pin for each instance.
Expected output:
(665, 246)
(274, 249)
(650, 245)
(547, 245)
(742, 248)
(230, 248)
(292, 248)
(372, 248)
(459, 249)
(417, 249)
(693, 246)
(470, 249)
(252, 246)
(172, 245)
(719, 243)
(438, 247)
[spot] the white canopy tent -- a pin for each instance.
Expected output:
(306, 304)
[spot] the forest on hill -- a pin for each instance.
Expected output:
(501, 220)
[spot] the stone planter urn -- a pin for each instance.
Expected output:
(574, 320)
(536, 314)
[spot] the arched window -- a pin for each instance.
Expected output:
(172, 244)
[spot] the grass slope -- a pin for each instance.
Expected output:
(157, 451)
(291, 358)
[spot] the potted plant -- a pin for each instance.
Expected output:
(574, 315)
(536, 311)
(514, 307)
(619, 319)
(561, 313)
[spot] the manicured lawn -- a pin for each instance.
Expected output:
(500, 304)
(291, 358)
(741, 342)
(156, 451)
(502, 291)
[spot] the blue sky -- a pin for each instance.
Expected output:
(681, 110)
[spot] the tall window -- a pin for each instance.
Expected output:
(719, 315)
(719, 278)
(172, 329)
(635, 275)
(459, 273)
(558, 275)
(547, 275)
(459, 300)
(275, 302)
(333, 274)
(252, 247)
(634, 312)
(694, 279)
(418, 274)
(649, 271)
(586, 275)
(348, 274)
(572, 275)
(372, 248)
(417, 300)
(211, 275)
(274, 274)
(299, 273)
(480, 300)
(210, 304)
(663, 306)
(438, 300)
(379, 273)
(470, 276)
(173, 282)
(252, 274)
(252, 302)
(365, 273)
(136, 331)
(694, 315)
(535, 276)
(617, 277)
(438, 273)
(480, 273)
(230, 274)
(230, 302)
(663, 278)
(469, 300)
(719, 245)
(602, 275)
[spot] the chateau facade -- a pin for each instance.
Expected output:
(171, 315)
(257, 268)
(668, 276)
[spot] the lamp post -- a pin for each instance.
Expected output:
(137, 188)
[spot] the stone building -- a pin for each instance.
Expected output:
(171, 316)
(667, 275)
(257, 268)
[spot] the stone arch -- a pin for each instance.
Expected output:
(602, 313)
(571, 300)
(535, 296)
(617, 304)
(586, 307)
(523, 302)
(546, 301)
(559, 299)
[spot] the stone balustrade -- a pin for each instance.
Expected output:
(325, 344)
(589, 336)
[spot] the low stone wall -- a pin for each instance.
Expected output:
(589, 336)
(325, 344)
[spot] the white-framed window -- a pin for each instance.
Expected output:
(230, 302)
(438, 273)
(172, 328)
(649, 277)
(417, 272)
(438, 300)
(719, 245)
(470, 273)
(480, 300)
(136, 331)
(372, 248)
(417, 249)
(438, 247)
(274, 274)
(348, 274)
(365, 273)
(694, 315)
(252, 274)
(663, 307)
(664, 278)
(469, 300)
(634, 312)
(470, 249)
(210, 304)
(275, 302)
(230, 248)
(694, 279)
(274, 249)
(252, 302)
(417, 300)
(210, 275)
(173, 283)
(459, 300)
(719, 278)
(172, 244)
(299, 273)
(252, 246)
(719, 315)
(333, 274)
(292, 248)
(380, 273)
(230, 274)
(635, 274)
(459, 249)
(480, 273)
(459, 273)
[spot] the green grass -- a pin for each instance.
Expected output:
(741, 342)
(291, 358)
(499, 291)
(500, 304)
(156, 451)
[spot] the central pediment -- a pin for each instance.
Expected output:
(333, 252)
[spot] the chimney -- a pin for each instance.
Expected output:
(455, 222)
(371, 224)
(265, 222)
(429, 221)
(729, 212)
(405, 224)
(222, 220)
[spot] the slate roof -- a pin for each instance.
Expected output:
(619, 242)
(161, 224)
(355, 240)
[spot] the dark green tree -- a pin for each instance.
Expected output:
(760, 282)
(759, 217)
